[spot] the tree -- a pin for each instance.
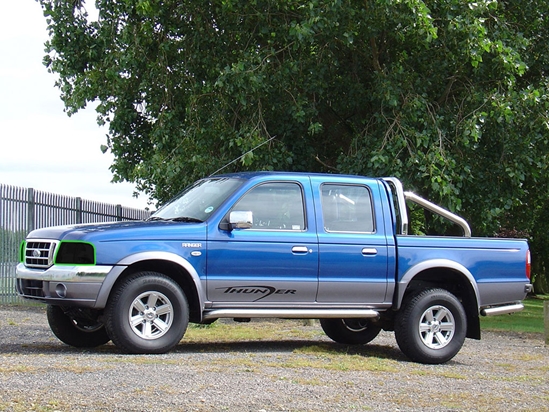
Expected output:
(448, 95)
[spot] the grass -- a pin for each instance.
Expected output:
(38, 405)
(253, 331)
(529, 320)
(71, 367)
(303, 364)
(321, 356)
(313, 356)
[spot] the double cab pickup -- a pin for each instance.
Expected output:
(275, 245)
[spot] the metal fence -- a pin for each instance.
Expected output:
(23, 210)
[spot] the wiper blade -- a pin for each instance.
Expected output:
(186, 219)
(152, 218)
(175, 219)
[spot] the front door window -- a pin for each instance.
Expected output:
(274, 206)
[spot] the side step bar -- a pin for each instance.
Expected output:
(291, 313)
(502, 310)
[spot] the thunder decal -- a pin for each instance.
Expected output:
(264, 291)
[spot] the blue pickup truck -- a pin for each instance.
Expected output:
(275, 245)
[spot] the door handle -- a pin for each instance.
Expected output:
(300, 249)
(369, 251)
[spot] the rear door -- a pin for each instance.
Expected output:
(353, 249)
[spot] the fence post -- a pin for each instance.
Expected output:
(31, 216)
(118, 213)
(79, 210)
(546, 317)
(1, 197)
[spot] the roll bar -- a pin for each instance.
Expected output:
(402, 196)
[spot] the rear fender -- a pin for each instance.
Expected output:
(411, 273)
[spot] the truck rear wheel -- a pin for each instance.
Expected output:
(350, 331)
(147, 313)
(75, 331)
(431, 326)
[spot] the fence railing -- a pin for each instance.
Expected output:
(26, 209)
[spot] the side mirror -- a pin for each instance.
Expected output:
(241, 220)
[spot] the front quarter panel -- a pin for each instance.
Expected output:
(117, 271)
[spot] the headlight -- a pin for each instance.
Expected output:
(75, 253)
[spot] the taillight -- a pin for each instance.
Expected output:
(528, 264)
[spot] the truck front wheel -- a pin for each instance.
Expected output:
(431, 326)
(350, 331)
(147, 313)
(77, 331)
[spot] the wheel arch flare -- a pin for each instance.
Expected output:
(171, 265)
(448, 275)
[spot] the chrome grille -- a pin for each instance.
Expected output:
(39, 253)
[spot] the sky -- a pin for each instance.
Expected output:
(40, 145)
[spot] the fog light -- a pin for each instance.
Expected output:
(61, 290)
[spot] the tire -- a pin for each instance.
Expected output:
(80, 332)
(431, 326)
(350, 331)
(147, 313)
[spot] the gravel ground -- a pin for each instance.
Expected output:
(37, 372)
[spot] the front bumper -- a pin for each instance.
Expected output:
(62, 285)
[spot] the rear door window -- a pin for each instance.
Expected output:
(347, 208)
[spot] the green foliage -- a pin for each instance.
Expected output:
(448, 95)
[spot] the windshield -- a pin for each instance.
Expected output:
(197, 202)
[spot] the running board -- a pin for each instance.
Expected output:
(502, 310)
(291, 313)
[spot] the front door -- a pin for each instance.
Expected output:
(275, 261)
